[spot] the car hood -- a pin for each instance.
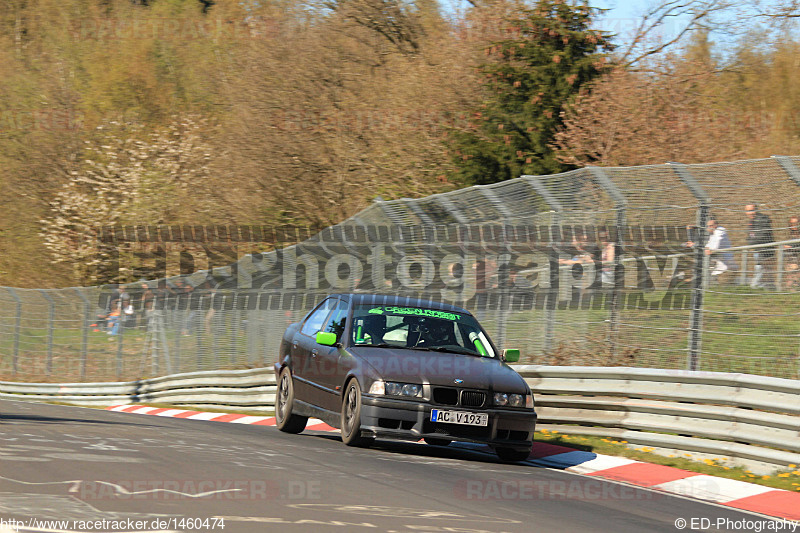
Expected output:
(438, 368)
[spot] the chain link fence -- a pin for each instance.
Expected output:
(515, 253)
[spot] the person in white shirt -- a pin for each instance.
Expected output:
(717, 242)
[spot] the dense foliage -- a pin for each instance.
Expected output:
(201, 112)
(550, 53)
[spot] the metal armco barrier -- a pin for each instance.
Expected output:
(252, 389)
(739, 416)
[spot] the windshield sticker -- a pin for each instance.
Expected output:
(415, 311)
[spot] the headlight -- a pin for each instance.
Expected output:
(516, 400)
(502, 399)
(378, 387)
(411, 389)
(391, 388)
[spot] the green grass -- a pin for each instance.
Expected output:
(745, 330)
(787, 479)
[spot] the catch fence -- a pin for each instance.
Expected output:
(507, 251)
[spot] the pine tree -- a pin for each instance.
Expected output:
(548, 54)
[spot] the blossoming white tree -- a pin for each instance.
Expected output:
(128, 176)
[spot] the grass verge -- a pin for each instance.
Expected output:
(788, 479)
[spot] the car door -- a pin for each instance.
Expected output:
(305, 375)
(332, 367)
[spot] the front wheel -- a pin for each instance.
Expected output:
(351, 416)
(512, 455)
(284, 403)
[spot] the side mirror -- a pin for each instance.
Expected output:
(326, 338)
(511, 355)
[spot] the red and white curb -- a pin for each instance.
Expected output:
(729, 492)
(313, 423)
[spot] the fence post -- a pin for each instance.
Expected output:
(696, 319)
(620, 206)
(743, 274)
(51, 319)
(120, 336)
(84, 333)
(504, 277)
(17, 326)
(236, 316)
(794, 173)
(551, 299)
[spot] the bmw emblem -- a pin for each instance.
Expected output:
(458, 381)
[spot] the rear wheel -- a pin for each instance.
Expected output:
(351, 416)
(284, 403)
(512, 455)
(433, 441)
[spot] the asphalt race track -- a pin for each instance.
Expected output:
(86, 466)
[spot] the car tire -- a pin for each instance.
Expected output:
(512, 455)
(285, 420)
(351, 416)
(434, 441)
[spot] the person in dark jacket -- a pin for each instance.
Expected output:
(759, 231)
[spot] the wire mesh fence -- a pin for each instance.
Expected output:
(598, 266)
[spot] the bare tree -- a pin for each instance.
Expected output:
(633, 118)
(128, 176)
(666, 23)
(784, 9)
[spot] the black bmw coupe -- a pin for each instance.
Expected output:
(402, 368)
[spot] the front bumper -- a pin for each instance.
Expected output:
(405, 419)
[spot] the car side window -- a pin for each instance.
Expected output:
(314, 322)
(335, 323)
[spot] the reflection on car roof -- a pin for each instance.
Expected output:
(400, 301)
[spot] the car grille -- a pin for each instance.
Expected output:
(445, 396)
(450, 396)
(471, 398)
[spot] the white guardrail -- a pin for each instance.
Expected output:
(738, 416)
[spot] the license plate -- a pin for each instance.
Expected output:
(460, 417)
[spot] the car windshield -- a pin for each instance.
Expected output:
(419, 328)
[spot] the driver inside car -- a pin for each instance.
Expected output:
(373, 327)
(427, 332)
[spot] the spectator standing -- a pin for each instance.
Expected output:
(607, 249)
(182, 292)
(717, 243)
(126, 306)
(759, 231)
(148, 304)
